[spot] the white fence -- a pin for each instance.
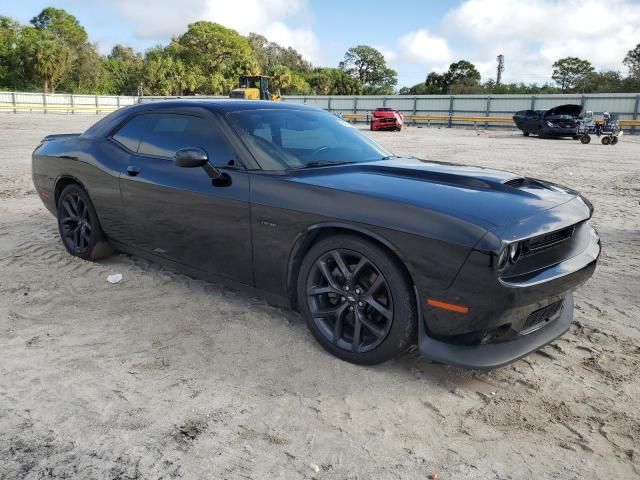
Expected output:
(624, 104)
(419, 108)
(15, 102)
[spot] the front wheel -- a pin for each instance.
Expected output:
(614, 140)
(585, 139)
(526, 134)
(79, 226)
(357, 301)
(606, 140)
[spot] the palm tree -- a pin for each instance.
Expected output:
(52, 59)
(281, 78)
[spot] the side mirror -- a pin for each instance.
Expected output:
(191, 158)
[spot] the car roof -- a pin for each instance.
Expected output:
(106, 125)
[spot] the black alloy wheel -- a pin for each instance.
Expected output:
(75, 223)
(357, 299)
(78, 225)
(350, 300)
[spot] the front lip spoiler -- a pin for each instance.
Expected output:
(492, 355)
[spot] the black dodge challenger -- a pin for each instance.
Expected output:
(377, 252)
(560, 121)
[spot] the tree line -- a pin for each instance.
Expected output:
(53, 53)
(570, 75)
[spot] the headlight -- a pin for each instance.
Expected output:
(510, 253)
(549, 124)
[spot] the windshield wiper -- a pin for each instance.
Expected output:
(321, 164)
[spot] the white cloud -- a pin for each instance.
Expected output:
(165, 18)
(389, 54)
(302, 39)
(161, 19)
(532, 35)
(423, 47)
(415, 54)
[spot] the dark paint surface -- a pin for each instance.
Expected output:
(563, 120)
(446, 223)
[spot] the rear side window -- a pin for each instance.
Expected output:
(168, 133)
(131, 132)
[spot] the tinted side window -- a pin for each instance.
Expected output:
(168, 133)
(131, 132)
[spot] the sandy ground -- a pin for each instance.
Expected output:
(163, 376)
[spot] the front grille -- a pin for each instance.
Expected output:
(548, 240)
(543, 314)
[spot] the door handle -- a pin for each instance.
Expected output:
(132, 170)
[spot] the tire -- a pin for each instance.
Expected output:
(78, 225)
(576, 137)
(377, 303)
(584, 139)
(606, 140)
(614, 140)
(526, 134)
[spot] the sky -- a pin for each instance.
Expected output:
(416, 36)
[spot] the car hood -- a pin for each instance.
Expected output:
(487, 197)
(569, 109)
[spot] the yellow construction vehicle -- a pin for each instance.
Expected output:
(254, 87)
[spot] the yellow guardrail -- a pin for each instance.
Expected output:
(348, 116)
(458, 118)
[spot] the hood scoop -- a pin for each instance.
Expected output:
(523, 182)
(516, 182)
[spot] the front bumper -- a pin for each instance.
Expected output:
(558, 131)
(496, 328)
(493, 355)
(385, 124)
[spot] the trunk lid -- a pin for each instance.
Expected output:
(60, 136)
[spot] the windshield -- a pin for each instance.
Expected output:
(282, 139)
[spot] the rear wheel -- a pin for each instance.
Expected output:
(526, 134)
(585, 139)
(614, 140)
(79, 226)
(356, 300)
(606, 140)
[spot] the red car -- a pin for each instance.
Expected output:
(386, 118)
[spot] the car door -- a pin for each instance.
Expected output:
(530, 120)
(180, 213)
